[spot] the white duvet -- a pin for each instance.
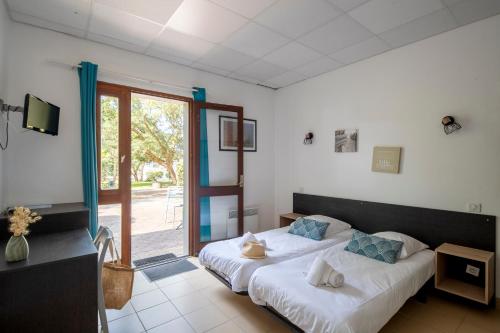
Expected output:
(224, 257)
(372, 293)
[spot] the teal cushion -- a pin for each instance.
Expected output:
(309, 228)
(386, 250)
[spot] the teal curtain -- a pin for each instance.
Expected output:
(87, 72)
(199, 95)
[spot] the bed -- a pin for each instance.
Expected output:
(223, 257)
(372, 293)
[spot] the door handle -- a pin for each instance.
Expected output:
(242, 182)
(122, 159)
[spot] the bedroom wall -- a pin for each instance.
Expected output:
(46, 169)
(398, 99)
(4, 25)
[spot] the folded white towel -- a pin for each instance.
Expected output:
(321, 273)
(249, 237)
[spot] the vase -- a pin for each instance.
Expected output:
(17, 249)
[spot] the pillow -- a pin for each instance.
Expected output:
(374, 247)
(308, 228)
(335, 226)
(410, 244)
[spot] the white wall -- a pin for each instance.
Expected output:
(4, 25)
(46, 169)
(398, 99)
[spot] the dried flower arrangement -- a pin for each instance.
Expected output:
(20, 220)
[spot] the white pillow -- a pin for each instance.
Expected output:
(335, 226)
(410, 244)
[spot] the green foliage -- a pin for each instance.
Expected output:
(154, 176)
(109, 142)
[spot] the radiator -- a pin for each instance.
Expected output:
(250, 221)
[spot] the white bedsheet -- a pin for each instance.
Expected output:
(224, 257)
(372, 293)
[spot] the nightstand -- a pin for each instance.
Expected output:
(287, 219)
(452, 262)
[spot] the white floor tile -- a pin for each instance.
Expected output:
(178, 325)
(158, 315)
(148, 299)
(115, 314)
(190, 302)
(142, 285)
(228, 327)
(178, 289)
(205, 318)
(128, 324)
(169, 280)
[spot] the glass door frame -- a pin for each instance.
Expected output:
(123, 195)
(197, 191)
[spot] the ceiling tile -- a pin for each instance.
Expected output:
(244, 78)
(285, 79)
(162, 54)
(117, 24)
(423, 27)
(260, 70)
(255, 40)
(225, 58)
(292, 55)
(336, 35)
(205, 20)
(383, 15)
(181, 45)
(347, 4)
(71, 13)
(158, 11)
(473, 10)
(451, 2)
(210, 69)
(318, 67)
(18, 17)
(115, 42)
(245, 7)
(294, 18)
(363, 50)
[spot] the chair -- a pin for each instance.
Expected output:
(174, 192)
(101, 242)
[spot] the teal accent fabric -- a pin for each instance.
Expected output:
(309, 228)
(205, 229)
(378, 248)
(87, 72)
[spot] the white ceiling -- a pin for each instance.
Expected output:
(269, 42)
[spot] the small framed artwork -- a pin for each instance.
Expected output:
(386, 159)
(228, 134)
(346, 140)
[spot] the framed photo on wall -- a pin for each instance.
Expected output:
(228, 134)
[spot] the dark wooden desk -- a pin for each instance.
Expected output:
(55, 290)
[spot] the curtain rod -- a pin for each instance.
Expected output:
(136, 78)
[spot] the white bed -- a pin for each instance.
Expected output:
(372, 293)
(224, 257)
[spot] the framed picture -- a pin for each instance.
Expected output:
(228, 134)
(386, 159)
(346, 140)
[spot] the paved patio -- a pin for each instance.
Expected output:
(154, 230)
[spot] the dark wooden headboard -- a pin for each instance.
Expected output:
(431, 226)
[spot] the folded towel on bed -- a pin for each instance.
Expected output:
(321, 273)
(249, 237)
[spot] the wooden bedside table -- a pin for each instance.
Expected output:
(287, 219)
(451, 263)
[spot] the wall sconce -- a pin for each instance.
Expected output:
(308, 139)
(450, 125)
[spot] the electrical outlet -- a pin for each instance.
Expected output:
(472, 270)
(474, 207)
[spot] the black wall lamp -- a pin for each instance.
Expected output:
(450, 125)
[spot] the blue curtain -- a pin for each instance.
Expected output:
(199, 95)
(88, 85)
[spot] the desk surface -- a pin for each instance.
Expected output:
(48, 248)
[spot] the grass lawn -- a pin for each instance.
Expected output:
(146, 185)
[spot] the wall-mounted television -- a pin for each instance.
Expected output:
(40, 116)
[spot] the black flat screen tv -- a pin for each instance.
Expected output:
(40, 116)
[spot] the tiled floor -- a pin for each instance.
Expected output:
(196, 302)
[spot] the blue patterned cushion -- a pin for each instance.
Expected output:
(374, 247)
(309, 228)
